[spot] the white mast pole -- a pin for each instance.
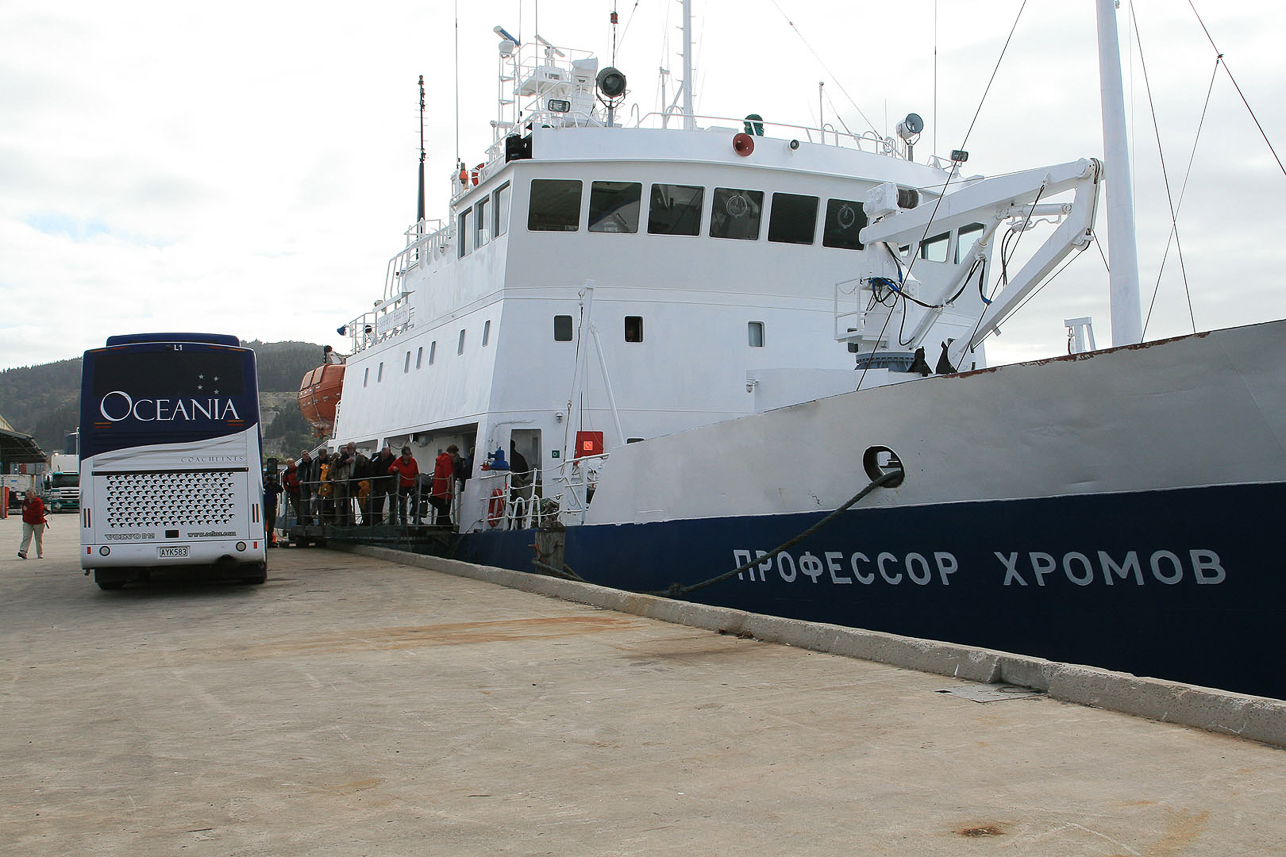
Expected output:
(1123, 253)
(688, 123)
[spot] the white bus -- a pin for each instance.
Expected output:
(170, 466)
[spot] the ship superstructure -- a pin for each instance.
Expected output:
(623, 283)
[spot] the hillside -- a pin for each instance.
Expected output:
(43, 400)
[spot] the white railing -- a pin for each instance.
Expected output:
(510, 506)
(562, 494)
(572, 486)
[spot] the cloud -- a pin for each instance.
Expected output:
(250, 168)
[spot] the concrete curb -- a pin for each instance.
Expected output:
(1252, 717)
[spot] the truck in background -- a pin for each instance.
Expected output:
(62, 482)
(18, 484)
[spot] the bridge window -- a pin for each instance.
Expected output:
(614, 206)
(433, 351)
(844, 220)
(633, 328)
(463, 236)
(366, 375)
(379, 375)
(459, 348)
(935, 249)
(406, 364)
(486, 333)
(482, 224)
(793, 219)
(968, 237)
(562, 328)
(419, 356)
(555, 205)
(502, 210)
(736, 213)
(755, 330)
(675, 209)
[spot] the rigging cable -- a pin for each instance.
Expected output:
(826, 67)
(1053, 277)
(628, 21)
(1165, 176)
(1221, 59)
(965, 142)
(1182, 191)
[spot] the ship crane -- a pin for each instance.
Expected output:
(1014, 198)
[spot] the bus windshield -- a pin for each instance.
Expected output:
(147, 393)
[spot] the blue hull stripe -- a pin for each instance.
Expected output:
(1183, 584)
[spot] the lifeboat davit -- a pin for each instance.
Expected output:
(319, 396)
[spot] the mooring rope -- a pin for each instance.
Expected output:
(676, 590)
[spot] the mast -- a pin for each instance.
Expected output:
(1122, 248)
(419, 219)
(688, 122)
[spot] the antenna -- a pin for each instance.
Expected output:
(549, 49)
(688, 122)
(457, 7)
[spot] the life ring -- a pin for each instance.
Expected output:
(476, 171)
(496, 508)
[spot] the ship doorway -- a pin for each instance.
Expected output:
(527, 483)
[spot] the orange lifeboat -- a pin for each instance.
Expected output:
(319, 397)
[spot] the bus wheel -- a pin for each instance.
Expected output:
(260, 578)
(106, 582)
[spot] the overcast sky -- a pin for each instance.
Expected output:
(249, 167)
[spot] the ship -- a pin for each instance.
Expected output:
(745, 364)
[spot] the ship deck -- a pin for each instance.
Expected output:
(355, 704)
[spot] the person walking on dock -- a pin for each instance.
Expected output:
(33, 524)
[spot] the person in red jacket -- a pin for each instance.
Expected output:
(33, 524)
(407, 471)
(444, 485)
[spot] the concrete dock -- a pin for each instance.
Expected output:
(355, 705)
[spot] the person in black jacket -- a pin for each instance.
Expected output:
(359, 486)
(382, 483)
(307, 475)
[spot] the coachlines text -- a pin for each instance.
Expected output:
(118, 405)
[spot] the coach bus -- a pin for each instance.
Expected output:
(170, 465)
